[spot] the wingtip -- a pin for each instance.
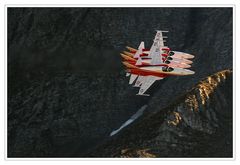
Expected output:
(128, 58)
(131, 49)
(129, 65)
(128, 53)
(122, 55)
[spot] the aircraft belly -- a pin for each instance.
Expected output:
(173, 64)
(181, 60)
(178, 62)
(179, 65)
(181, 71)
(152, 68)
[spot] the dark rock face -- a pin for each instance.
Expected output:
(198, 124)
(67, 89)
(62, 115)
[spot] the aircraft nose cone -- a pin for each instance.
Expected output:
(190, 72)
(187, 72)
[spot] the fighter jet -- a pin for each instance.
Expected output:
(148, 66)
(177, 58)
(141, 51)
(147, 62)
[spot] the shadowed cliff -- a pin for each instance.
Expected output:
(197, 124)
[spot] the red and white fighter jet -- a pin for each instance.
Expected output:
(148, 66)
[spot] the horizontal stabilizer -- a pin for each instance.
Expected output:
(139, 81)
(132, 78)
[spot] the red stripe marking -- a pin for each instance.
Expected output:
(147, 73)
(144, 54)
(131, 62)
(168, 49)
(147, 64)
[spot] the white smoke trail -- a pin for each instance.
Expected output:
(129, 121)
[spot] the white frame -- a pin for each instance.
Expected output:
(122, 5)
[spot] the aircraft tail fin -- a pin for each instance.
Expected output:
(141, 46)
(139, 51)
(139, 61)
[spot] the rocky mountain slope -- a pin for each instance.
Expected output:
(67, 89)
(197, 124)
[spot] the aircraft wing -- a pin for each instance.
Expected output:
(155, 51)
(147, 83)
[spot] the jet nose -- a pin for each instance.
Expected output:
(190, 72)
(187, 72)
